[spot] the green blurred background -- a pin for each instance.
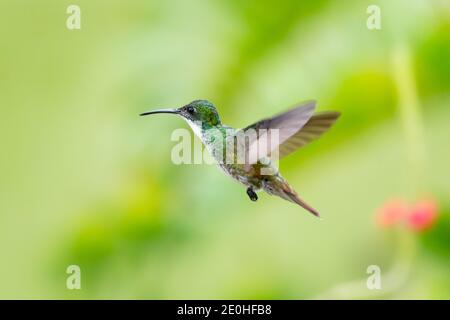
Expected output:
(85, 181)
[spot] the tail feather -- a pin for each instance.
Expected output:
(278, 186)
(293, 197)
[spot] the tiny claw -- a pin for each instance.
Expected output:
(252, 194)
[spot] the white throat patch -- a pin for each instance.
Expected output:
(196, 127)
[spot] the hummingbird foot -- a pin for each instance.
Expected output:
(252, 194)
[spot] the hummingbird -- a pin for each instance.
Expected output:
(293, 129)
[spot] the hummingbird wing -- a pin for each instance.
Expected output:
(313, 129)
(286, 124)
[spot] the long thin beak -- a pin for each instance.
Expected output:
(173, 111)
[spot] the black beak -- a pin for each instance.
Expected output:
(173, 111)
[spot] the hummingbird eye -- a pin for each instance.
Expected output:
(190, 109)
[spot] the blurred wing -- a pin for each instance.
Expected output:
(313, 129)
(285, 125)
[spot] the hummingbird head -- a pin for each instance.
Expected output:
(199, 111)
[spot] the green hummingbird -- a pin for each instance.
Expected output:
(292, 130)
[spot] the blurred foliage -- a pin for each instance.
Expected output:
(85, 181)
(437, 240)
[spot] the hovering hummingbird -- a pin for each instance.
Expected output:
(294, 129)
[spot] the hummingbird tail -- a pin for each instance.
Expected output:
(280, 187)
(295, 198)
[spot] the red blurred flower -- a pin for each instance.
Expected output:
(417, 217)
(422, 215)
(391, 213)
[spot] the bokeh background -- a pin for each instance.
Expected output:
(85, 181)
